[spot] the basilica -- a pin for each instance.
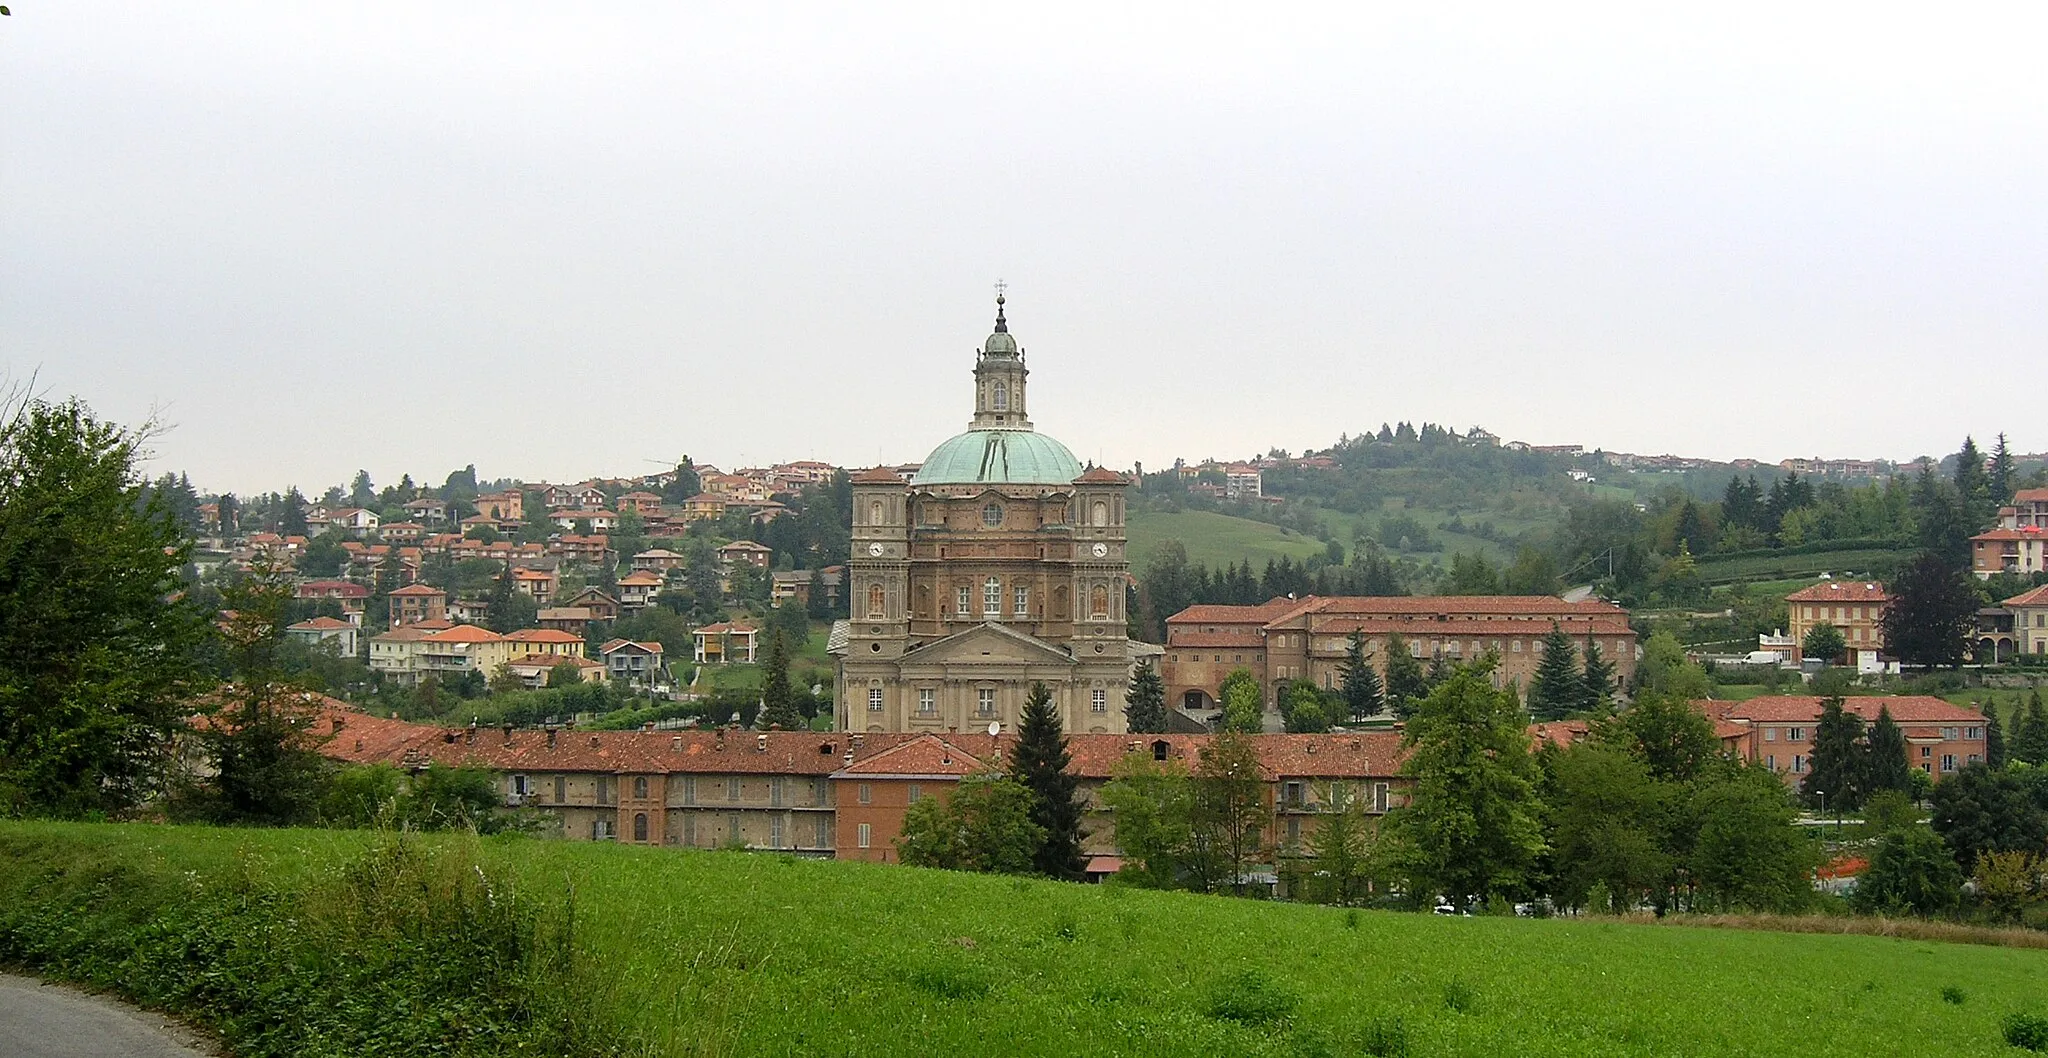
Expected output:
(1000, 563)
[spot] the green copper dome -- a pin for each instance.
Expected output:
(999, 457)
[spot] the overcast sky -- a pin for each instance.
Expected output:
(559, 239)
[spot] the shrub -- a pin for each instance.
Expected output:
(2029, 1031)
(1250, 997)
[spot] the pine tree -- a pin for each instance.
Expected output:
(1994, 738)
(778, 700)
(1887, 767)
(1834, 775)
(1999, 474)
(1556, 688)
(1363, 695)
(1596, 681)
(1039, 761)
(1406, 684)
(1145, 705)
(1970, 477)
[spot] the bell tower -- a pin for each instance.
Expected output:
(999, 376)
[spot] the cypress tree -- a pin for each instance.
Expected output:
(1039, 761)
(1834, 773)
(1596, 681)
(1994, 738)
(778, 701)
(2030, 732)
(1556, 689)
(1145, 705)
(1887, 767)
(1363, 695)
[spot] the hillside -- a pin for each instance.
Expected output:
(735, 954)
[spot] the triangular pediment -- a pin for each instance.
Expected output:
(988, 643)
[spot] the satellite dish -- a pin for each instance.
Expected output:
(995, 727)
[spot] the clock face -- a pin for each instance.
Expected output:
(875, 549)
(1100, 550)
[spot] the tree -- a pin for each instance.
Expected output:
(1228, 810)
(1747, 854)
(508, 609)
(1363, 695)
(1606, 820)
(1978, 810)
(291, 519)
(1145, 704)
(1340, 852)
(1667, 734)
(2008, 883)
(1666, 670)
(1244, 708)
(1555, 690)
(564, 673)
(1994, 736)
(1470, 830)
(1302, 709)
(1971, 481)
(1910, 873)
(1932, 611)
(2030, 732)
(360, 492)
(984, 826)
(1040, 761)
(1153, 805)
(1835, 773)
(1406, 684)
(1999, 475)
(97, 655)
(778, 701)
(1885, 748)
(1596, 681)
(1823, 642)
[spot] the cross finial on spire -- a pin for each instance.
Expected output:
(1002, 325)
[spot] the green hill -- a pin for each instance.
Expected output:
(699, 953)
(1214, 539)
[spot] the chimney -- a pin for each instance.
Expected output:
(648, 726)
(760, 743)
(676, 743)
(339, 723)
(593, 742)
(718, 741)
(848, 758)
(508, 734)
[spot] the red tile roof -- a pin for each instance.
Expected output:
(2035, 597)
(641, 576)
(464, 634)
(542, 635)
(1782, 708)
(877, 476)
(1840, 591)
(1100, 476)
(418, 589)
(925, 756)
(321, 624)
(2030, 496)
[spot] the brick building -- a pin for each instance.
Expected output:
(1777, 730)
(1856, 608)
(2020, 542)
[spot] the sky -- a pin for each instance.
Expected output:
(563, 240)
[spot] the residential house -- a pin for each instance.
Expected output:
(417, 602)
(640, 503)
(2030, 620)
(401, 532)
(1855, 608)
(1241, 482)
(595, 520)
(505, 508)
(745, 552)
(534, 670)
(588, 495)
(1778, 730)
(658, 559)
(2020, 543)
(537, 583)
(355, 521)
(427, 511)
(718, 644)
(602, 607)
(638, 589)
(339, 635)
(350, 595)
(575, 548)
(394, 655)
(454, 653)
(636, 662)
(549, 641)
(704, 506)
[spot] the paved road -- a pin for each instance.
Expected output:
(51, 1021)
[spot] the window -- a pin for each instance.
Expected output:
(561, 789)
(927, 702)
(1796, 734)
(640, 827)
(992, 515)
(1948, 763)
(1771, 761)
(867, 794)
(1948, 734)
(1293, 830)
(1099, 513)
(1770, 734)
(607, 794)
(519, 785)
(775, 786)
(1098, 603)
(640, 787)
(1290, 793)
(1798, 764)
(1002, 401)
(963, 595)
(689, 789)
(865, 833)
(875, 513)
(732, 827)
(1379, 797)
(823, 838)
(732, 788)
(874, 699)
(985, 702)
(916, 793)
(1098, 701)
(992, 597)
(1926, 751)
(1160, 748)
(775, 831)
(602, 830)
(1976, 733)
(689, 829)
(1021, 601)
(875, 600)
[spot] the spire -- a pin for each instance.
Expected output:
(1002, 325)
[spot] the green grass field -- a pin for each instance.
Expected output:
(732, 954)
(1786, 567)
(1213, 539)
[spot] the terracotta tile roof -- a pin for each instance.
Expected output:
(411, 633)
(1100, 476)
(2030, 496)
(1840, 591)
(563, 613)
(877, 476)
(923, 756)
(641, 576)
(464, 634)
(343, 588)
(548, 661)
(612, 645)
(1459, 628)
(1187, 637)
(1782, 708)
(746, 545)
(1261, 613)
(1561, 733)
(418, 589)
(2025, 532)
(2035, 597)
(728, 628)
(542, 635)
(320, 624)
(1475, 605)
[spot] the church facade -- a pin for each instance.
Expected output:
(999, 564)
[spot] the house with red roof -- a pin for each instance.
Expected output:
(339, 636)
(1854, 607)
(417, 602)
(2029, 611)
(2020, 542)
(639, 663)
(1777, 730)
(726, 641)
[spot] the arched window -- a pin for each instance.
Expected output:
(992, 597)
(992, 515)
(1098, 603)
(640, 786)
(874, 600)
(1099, 514)
(640, 826)
(1002, 401)
(875, 513)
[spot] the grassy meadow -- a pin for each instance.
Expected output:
(1214, 539)
(703, 953)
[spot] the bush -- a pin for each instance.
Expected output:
(2028, 1031)
(1250, 997)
